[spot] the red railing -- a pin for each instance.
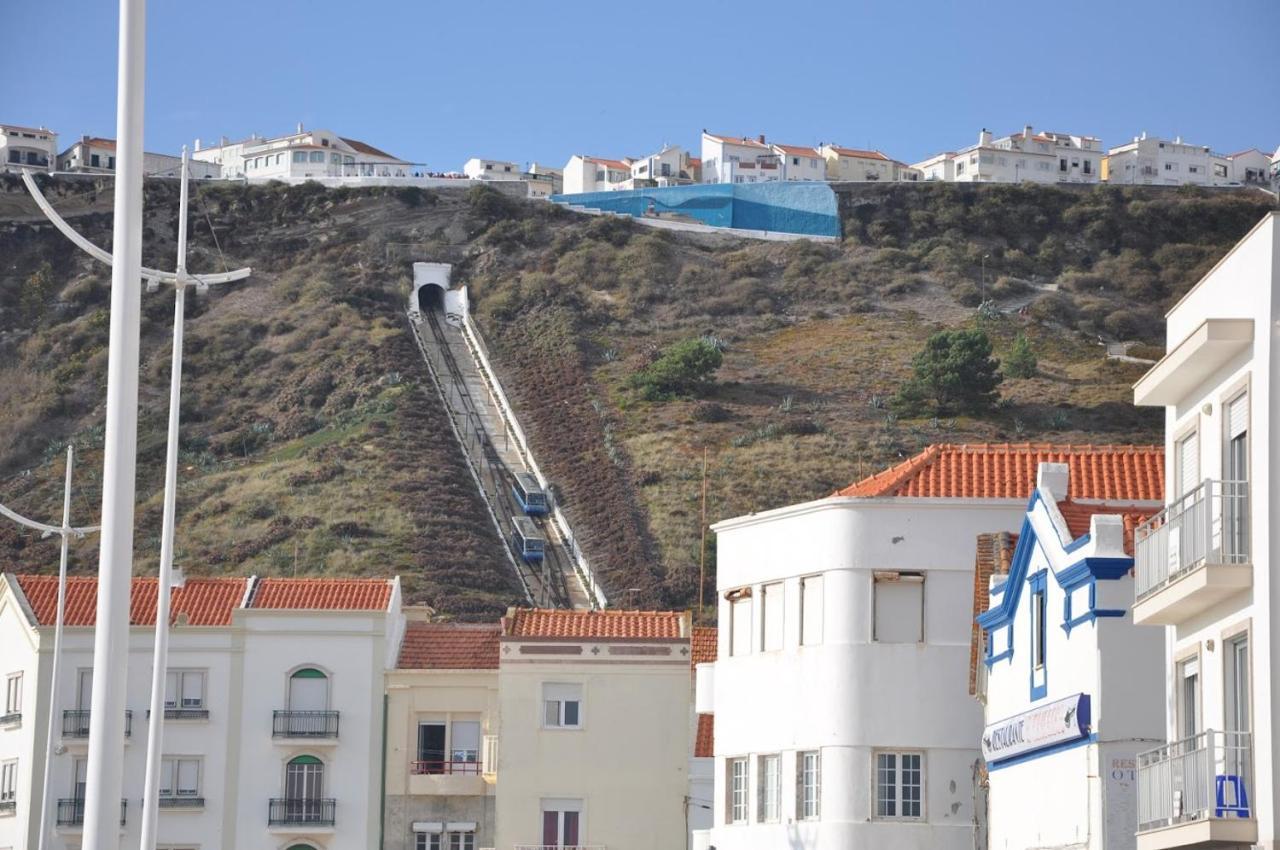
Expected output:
(440, 768)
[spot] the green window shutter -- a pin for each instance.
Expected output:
(309, 673)
(305, 760)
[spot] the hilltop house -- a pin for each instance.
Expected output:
(304, 154)
(1071, 688)
(1028, 156)
(28, 147)
(491, 169)
(95, 155)
(594, 174)
(273, 710)
(809, 755)
(1148, 160)
(1251, 167)
(736, 159)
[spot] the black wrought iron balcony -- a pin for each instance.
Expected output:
(188, 713)
(8, 807)
(181, 801)
(71, 812)
(13, 718)
(301, 812)
(75, 723)
(304, 724)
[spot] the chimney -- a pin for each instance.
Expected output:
(760, 138)
(1177, 140)
(1141, 138)
(1026, 133)
(984, 136)
(224, 141)
(299, 128)
(197, 146)
(1053, 478)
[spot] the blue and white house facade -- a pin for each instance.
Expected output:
(1074, 689)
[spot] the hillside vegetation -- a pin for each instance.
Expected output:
(313, 442)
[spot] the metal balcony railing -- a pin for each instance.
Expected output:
(172, 713)
(75, 723)
(304, 724)
(465, 762)
(559, 847)
(180, 801)
(71, 812)
(1207, 526)
(1206, 776)
(301, 812)
(11, 719)
(8, 806)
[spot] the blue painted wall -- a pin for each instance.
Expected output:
(805, 208)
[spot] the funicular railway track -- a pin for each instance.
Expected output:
(554, 581)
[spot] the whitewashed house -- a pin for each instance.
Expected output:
(28, 147)
(859, 166)
(737, 159)
(842, 712)
(1073, 689)
(800, 162)
(302, 155)
(273, 717)
(668, 167)
(1026, 157)
(491, 169)
(1148, 160)
(594, 174)
(93, 155)
(1204, 563)
(1251, 167)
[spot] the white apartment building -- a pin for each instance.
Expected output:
(491, 169)
(306, 153)
(842, 712)
(95, 155)
(273, 717)
(594, 742)
(737, 159)
(1251, 167)
(668, 167)
(28, 147)
(551, 174)
(594, 174)
(1148, 160)
(1029, 156)
(1073, 689)
(800, 162)
(859, 166)
(1204, 563)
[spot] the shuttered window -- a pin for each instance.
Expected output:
(1188, 463)
(811, 610)
(899, 607)
(772, 627)
(1238, 416)
(740, 626)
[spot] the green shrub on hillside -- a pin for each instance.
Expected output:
(1021, 362)
(683, 369)
(955, 372)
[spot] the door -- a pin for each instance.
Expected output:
(560, 822)
(431, 748)
(1236, 675)
(304, 788)
(1189, 698)
(464, 748)
(1235, 486)
(79, 727)
(308, 690)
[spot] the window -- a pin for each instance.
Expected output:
(769, 779)
(304, 779)
(466, 840)
(1188, 463)
(1088, 166)
(464, 742)
(335, 158)
(1235, 486)
(899, 607)
(811, 611)
(1193, 169)
(430, 748)
(740, 622)
(562, 706)
(184, 689)
(808, 783)
(899, 779)
(180, 777)
(317, 156)
(308, 690)
(737, 785)
(427, 841)
(771, 628)
(1062, 164)
(299, 156)
(1170, 166)
(1236, 679)
(1189, 697)
(561, 820)
(94, 161)
(9, 781)
(13, 694)
(1038, 631)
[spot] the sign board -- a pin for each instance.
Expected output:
(1044, 726)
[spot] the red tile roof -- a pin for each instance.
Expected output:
(703, 646)
(860, 154)
(704, 743)
(737, 140)
(108, 144)
(360, 147)
(449, 646)
(803, 150)
(546, 622)
(615, 164)
(322, 594)
(202, 601)
(1078, 518)
(1008, 471)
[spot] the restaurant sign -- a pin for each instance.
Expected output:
(1047, 725)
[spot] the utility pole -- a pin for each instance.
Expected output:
(702, 548)
(103, 775)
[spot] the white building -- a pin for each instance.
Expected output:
(842, 712)
(1204, 563)
(491, 169)
(854, 165)
(1073, 689)
(95, 155)
(737, 159)
(305, 154)
(554, 175)
(1251, 168)
(1042, 157)
(1148, 160)
(273, 718)
(800, 162)
(668, 167)
(28, 147)
(594, 174)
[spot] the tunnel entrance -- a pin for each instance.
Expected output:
(431, 297)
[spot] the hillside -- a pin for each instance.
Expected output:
(312, 441)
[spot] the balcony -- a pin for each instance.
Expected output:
(71, 812)
(1197, 792)
(464, 762)
(311, 725)
(465, 773)
(180, 801)
(75, 723)
(13, 718)
(559, 847)
(1193, 554)
(172, 713)
(288, 812)
(8, 806)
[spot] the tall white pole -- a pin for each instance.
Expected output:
(57, 652)
(103, 776)
(160, 658)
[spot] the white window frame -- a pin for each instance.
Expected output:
(428, 841)
(769, 787)
(8, 780)
(809, 785)
(466, 840)
(171, 776)
(897, 784)
(179, 680)
(737, 787)
(13, 693)
(887, 577)
(772, 617)
(741, 610)
(557, 697)
(812, 590)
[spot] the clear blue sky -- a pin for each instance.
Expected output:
(438, 82)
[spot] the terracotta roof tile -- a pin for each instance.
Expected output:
(995, 551)
(859, 154)
(1008, 471)
(615, 164)
(703, 646)
(1078, 518)
(360, 147)
(738, 140)
(803, 150)
(704, 743)
(322, 594)
(202, 601)
(449, 646)
(546, 622)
